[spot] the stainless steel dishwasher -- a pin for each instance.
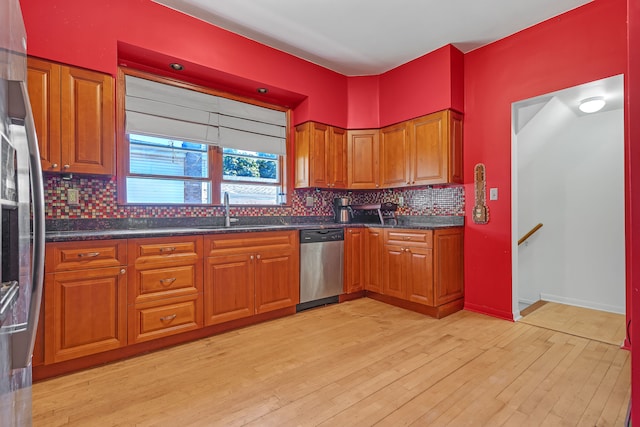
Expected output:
(321, 260)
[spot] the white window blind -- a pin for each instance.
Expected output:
(154, 108)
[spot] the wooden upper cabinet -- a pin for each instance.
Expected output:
(321, 153)
(436, 149)
(394, 156)
(43, 82)
(337, 158)
(74, 115)
(363, 159)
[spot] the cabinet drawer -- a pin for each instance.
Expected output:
(409, 237)
(166, 282)
(161, 252)
(246, 242)
(155, 321)
(82, 255)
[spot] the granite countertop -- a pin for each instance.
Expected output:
(74, 231)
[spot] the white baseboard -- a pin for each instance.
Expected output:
(582, 303)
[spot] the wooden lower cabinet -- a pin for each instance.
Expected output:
(354, 260)
(250, 273)
(373, 246)
(85, 299)
(420, 268)
(230, 288)
(165, 286)
(85, 312)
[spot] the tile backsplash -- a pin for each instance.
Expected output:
(97, 200)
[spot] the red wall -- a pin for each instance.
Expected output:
(87, 34)
(633, 187)
(582, 45)
(432, 82)
(99, 35)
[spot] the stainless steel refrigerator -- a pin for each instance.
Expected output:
(21, 225)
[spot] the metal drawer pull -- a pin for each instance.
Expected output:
(168, 249)
(88, 255)
(168, 281)
(168, 318)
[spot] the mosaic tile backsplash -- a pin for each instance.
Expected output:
(97, 200)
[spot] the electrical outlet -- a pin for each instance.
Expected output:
(310, 201)
(73, 197)
(400, 201)
(493, 194)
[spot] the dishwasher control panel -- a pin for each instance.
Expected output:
(321, 235)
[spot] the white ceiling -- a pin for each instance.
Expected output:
(365, 37)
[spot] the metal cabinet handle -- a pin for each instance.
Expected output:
(251, 257)
(54, 165)
(88, 254)
(168, 318)
(167, 281)
(122, 271)
(168, 249)
(258, 256)
(66, 166)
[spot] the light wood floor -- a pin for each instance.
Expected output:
(583, 322)
(359, 363)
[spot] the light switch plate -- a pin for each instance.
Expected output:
(73, 197)
(310, 201)
(493, 194)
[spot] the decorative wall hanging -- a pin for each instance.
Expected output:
(480, 209)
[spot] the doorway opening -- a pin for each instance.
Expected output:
(568, 175)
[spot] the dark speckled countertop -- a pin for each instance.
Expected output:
(76, 230)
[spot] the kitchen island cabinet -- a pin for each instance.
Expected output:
(250, 273)
(85, 299)
(73, 111)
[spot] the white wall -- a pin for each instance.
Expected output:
(571, 179)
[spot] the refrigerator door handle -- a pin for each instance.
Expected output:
(23, 341)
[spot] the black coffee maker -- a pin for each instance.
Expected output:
(341, 210)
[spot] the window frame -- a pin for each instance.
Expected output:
(214, 152)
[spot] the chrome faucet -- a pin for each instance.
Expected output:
(227, 218)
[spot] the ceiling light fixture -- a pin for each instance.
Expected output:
(176, 66)
(262, 90)
(592, 105)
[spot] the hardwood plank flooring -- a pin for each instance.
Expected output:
(359, 363)
(579, 321)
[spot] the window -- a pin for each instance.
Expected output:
(250, 177)
(167, 171)
(189, 146)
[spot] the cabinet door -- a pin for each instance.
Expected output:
(85, 313)
(229, 288)
(419, 277)
(302, 150)
(88, 132)
(363, 159)
(353, 260)
(429, 151)
(448, 265)
(43, 80)
(455, 148)
(373, 260)
(277, 279)
(393, 271)
(338, 158)
(394, 156)
(319, 156)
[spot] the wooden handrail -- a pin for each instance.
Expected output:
(529, 234)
